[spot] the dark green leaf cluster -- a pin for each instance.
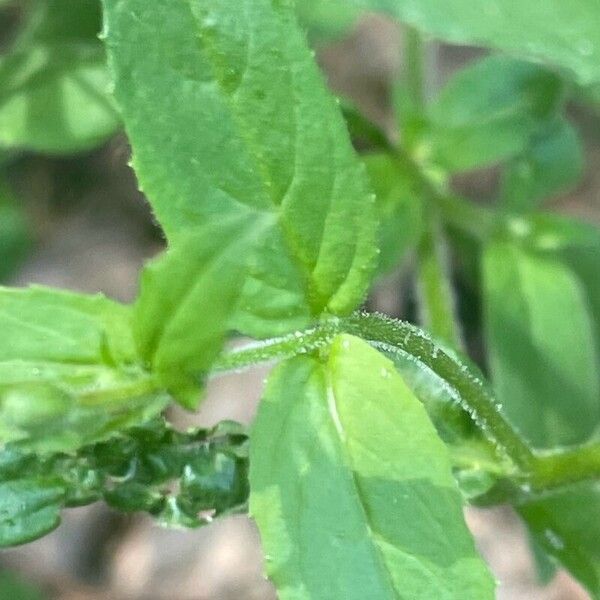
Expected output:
(182, 479)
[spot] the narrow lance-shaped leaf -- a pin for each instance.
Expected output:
(488, 112)
(187, 299)
(352, 489)
(242, 124)
(399, 204)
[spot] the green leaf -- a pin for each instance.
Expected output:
(577, 244)
(206, 468)
(14, 233)
(69, 373)
(182, 315)
(487, 113)
(400, 209)
(563, 523)
(182, 479)
(28, 510)
(545, 566)
(243, 125)
(552, 164)
(542, 352)
(54, 82)
(566, 524)
(352, 489)
(548, 31)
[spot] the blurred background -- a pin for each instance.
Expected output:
(71, 217)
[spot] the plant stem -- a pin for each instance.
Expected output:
(563, 467)
(436, 298)
(435, 294)
(477, 221)
(396, 336)
(473, 394)
(144, 386)
(542, 470)
(279, 348)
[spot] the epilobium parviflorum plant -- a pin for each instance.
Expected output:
(372, 433)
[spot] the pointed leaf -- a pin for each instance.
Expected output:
(242, 124)
(550, 165)
(542, 353)
(187, 300)
(352, 489)
(400, 209)
(488, 112)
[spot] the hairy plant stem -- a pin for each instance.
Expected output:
(541, 470)
(476, 221)
(562, 467)
(143, 386)
(392, 336)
